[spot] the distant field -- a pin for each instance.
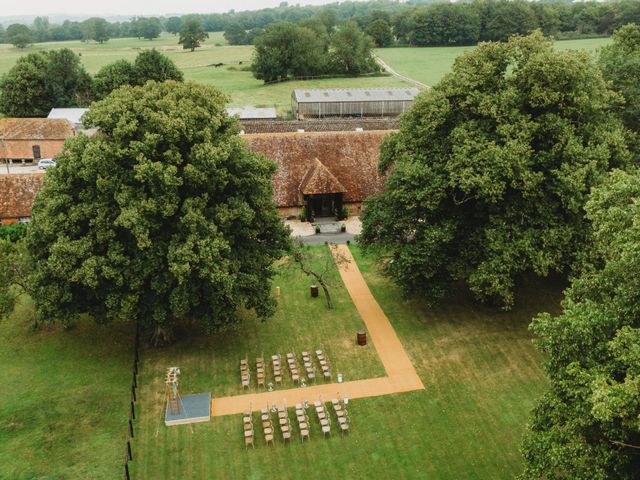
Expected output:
(427, 65)
(430, 64)
(240, 85)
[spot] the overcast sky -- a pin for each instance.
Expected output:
(136, 7)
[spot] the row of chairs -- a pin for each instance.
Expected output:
(268, 428)
(276, 361)
(245, 373)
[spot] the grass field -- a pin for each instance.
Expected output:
(479, 367)
(427, 65)
(63, 406)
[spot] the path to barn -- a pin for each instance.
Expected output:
(401, 376)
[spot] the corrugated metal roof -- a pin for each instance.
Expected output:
(74, 115)
(251, 113)
(354, 94)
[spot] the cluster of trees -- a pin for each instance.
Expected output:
(288, 50)
(56, 78)
(524, 160)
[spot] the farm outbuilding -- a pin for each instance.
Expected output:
(27, 140)
(351, 102)
(253, 113)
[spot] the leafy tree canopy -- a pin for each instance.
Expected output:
(43, 80)
(148, 65)
(587, 425)
(173, 24)
(287, 49)
(15, 267)
(18, 35)
(351, 51)
(112, 76)
(192, 34)
(164, 216)
(620, 63)
(235, 34)
(96, 29)
(380, 31)
(492, 168)
(153, 65)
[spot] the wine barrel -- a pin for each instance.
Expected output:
(314, 290)
(362, 338)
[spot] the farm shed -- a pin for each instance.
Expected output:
(351, 102)
(252, 113)
(74, 115)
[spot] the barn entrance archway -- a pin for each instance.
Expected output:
(322, 192)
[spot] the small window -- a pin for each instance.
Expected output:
(307, 94)
(36, 152)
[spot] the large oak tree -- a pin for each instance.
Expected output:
(492, 168)
(165, 215)
(587, 425)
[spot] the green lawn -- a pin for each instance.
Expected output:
(64, 400)
(479, 367)
(430, 64)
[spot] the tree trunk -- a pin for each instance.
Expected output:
(161, 336)
(326, 294)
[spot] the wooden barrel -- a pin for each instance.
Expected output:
(362, 337)
(314, 290)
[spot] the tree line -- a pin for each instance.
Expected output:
(41, 81)
(419, 23)
(462, 23)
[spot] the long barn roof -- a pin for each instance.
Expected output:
(317, 95)
(35, 129)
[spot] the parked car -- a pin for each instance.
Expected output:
(46, 163)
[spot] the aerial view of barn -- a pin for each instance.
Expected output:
(371, 239)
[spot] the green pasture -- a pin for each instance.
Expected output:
(430, 64)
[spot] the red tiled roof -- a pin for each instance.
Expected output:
(319, 179)
(350, 157)
(17, 194)
(35, 129)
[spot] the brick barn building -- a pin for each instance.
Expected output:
(27, 140)
(321, 171)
